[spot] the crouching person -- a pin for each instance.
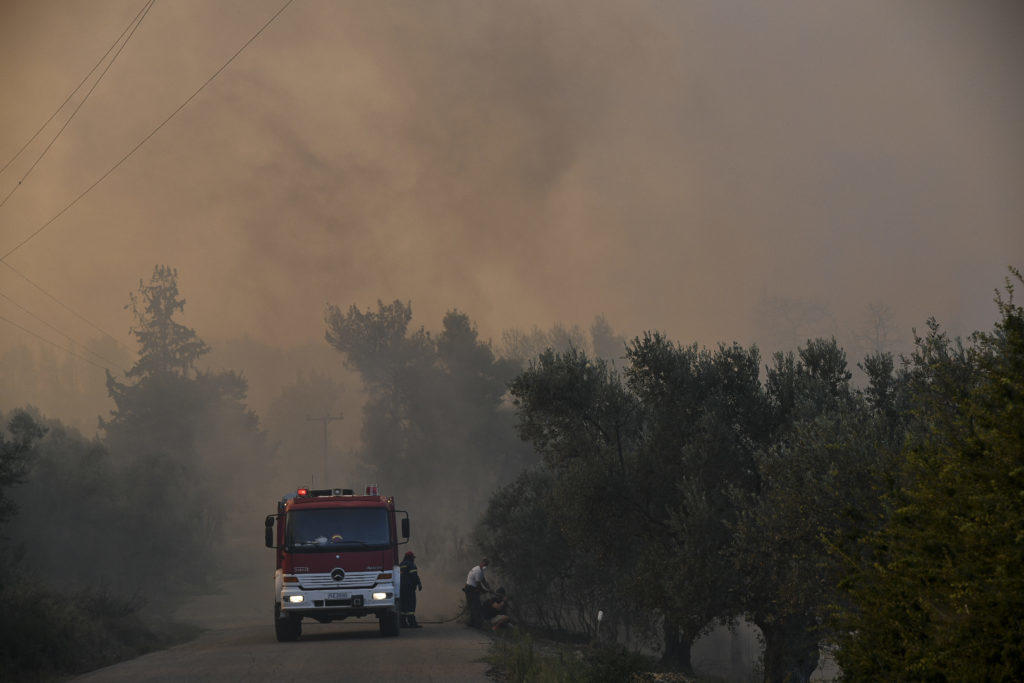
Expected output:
(494, 611)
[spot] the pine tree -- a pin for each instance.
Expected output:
(177, 434)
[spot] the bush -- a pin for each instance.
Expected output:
(522, 659)
(43, 632)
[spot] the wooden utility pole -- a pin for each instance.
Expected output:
(325, 419)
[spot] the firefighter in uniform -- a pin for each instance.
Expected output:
(410, 584)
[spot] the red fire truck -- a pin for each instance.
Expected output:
(337, 557)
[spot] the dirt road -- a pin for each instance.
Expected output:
(351, 650)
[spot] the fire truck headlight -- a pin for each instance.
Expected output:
(295, 598)
(380, 596)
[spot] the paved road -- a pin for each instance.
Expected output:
(239, 645)
(350, 650)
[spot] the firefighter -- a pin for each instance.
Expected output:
(410, 584)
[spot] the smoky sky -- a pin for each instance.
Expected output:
(667, 164)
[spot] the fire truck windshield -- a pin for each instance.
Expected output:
(332, 529)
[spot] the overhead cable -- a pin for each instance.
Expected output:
(77, 88)
(62, 304)
(146, 139)
(55, 329)
(84, 99)
(51, 343)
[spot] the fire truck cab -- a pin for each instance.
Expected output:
(337, 557)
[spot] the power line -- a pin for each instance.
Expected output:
(28, 331)
(150, 135)
(116, 165)
(55, 329)
(80, 104)
(77, 88)
(62, 304)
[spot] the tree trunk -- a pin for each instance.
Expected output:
(677, 642)
(790, 651)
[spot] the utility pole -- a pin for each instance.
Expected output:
(325, 419)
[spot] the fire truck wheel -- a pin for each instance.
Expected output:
(389, 623)
(286, 628)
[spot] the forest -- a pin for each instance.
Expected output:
(873, 505)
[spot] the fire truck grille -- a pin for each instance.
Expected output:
(352, 580)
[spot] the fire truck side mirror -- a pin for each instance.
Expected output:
(405, 527)
(269, 522)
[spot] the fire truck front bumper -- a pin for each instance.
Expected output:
(338, 601)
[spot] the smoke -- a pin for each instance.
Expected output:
(666, 164)
(717, 170)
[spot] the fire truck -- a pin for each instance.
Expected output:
(337, 557)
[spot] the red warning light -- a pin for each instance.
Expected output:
(371, 489)
(303, 492)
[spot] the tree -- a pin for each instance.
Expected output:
(434, 420)
(521, 346)
(705, 415)
(784, 322)
(939, 594)
(817, 491)
(605, 342)
(178, 435)
(166, 347)
(77, 472)
(22, 431)
(876, 334)
(643, 467)
(585, 424)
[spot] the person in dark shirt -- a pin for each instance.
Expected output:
(494, 610)
(407, 597)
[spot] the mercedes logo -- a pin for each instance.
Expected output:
(338, 574)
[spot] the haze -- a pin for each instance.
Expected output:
(666, 164)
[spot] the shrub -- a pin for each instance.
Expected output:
(44, 632)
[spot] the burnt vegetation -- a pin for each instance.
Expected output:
(670, 486)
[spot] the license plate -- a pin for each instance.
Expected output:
(337, 596)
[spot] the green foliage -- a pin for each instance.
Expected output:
(940, 595)
(702, 493)
(522, 659)
(574, 407)
(585, 424)
(15, 455)
(819, 481)
(141, 494)
(70, 499)
(705, 413)
(605, 342)
(519, 661)
(165, 345)
(176, 435)
(434, 421)
(519, 533)
(45, 632)
(638, 475)
(65, 516)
